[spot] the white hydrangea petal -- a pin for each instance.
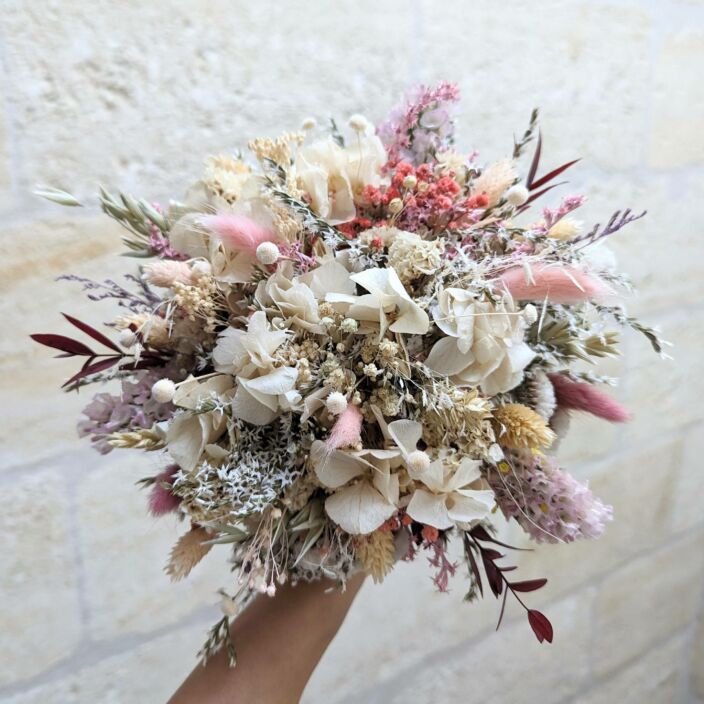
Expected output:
(229, 354)
(195, 390)
(468, 505)
(337, 468)
(358, 509)
(433, 476)
(467, 473)
(430, 509)
(329, 278)
(250, 409)
(187, 237)
(446, 358)
(412, 319)
(188, 434)
(387, 484)
(406, 434)
(275, 383)
(373, 280)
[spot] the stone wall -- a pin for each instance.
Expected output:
(133, 95)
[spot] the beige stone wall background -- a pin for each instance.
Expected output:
(133, 95)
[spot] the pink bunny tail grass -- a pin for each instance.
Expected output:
(238, 232)
(577, 396)
(347, 429)
(557, 284)
(161, 500)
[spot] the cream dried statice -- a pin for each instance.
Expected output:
(264, 465)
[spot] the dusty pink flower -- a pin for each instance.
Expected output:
(557, 284)
(161, 500)
(551, 505)
(578, 396)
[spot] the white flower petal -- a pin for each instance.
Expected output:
(358, 509)
(433, 476)
(250, 409)
(337, 468)
(468, 505)
(467, 473)
(191, 392)
(446, 358)
(275, 383)
(386, 483)
(329, 278)
(229, 355)
(406, 434)
(188, 434)
(430, 509)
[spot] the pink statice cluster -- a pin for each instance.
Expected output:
(548, 503)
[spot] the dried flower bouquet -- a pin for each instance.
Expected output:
(352, 348)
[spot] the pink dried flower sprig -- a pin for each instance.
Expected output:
(548, 503)
(422, 125)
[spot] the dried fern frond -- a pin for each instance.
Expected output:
(189, 550)
(376, 554)
(521, 428)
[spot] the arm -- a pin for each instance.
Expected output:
(279, 642)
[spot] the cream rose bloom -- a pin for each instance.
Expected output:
(297, 298)
(263, 389)
(190, 435)
(452, 494)
(484, 345)
(386, 295)
(331, 175)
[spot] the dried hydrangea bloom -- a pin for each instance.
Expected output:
(484, 343)
(412, 257)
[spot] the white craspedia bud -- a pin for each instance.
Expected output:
(517, 195)
(127, 338)
(201, 267)
(410, 181)
(530, 314)
(163, 390)
(228, 606)
(358, 123)
(336, 403)
(418, 461)
(308, 124)
(395, 206)
(268, 253)
(271, 590)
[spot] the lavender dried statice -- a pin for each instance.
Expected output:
(132, 409)
(422, 126)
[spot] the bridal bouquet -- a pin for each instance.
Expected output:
(353, 346)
